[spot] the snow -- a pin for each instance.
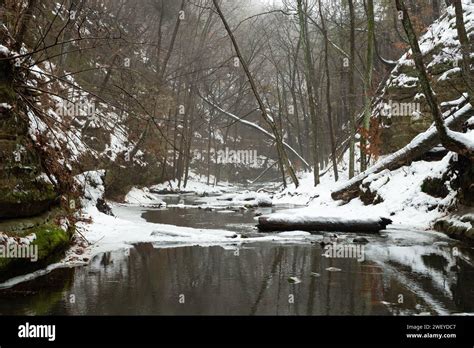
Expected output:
(445, 75)
(470, 122)
(63, 123)
(404, 81)
(399, 190)
(440, 46)
(329, 216)
(465, 138)
(93, 186)
(403, 201)
(143, 197)
(419, 139)
(5, 106)
(294, 233)
(196, 184)
(455, 102)
(126, 227)
(4, 51)
(444, 32)
(7, 240)
(408, 207)
(108, 233)
(243, 199)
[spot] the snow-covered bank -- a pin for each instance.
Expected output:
(400, 196)
(246, 199)
(144, 198)
(126, 227)
(196, 184)
(108, 233)
(98, 232)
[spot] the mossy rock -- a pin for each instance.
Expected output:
(51, 241)
(20, 227)
(20, 199)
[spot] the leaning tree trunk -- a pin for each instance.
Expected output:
(258, 128)
(448, 139)
(416, 148)
(278, 138)
(172, 42)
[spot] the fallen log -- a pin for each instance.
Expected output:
(422, 143)
(322, 224)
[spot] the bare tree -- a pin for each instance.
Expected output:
(352, 116)
(368, 82)
(310, 87)
(280, 148)
(328, 93)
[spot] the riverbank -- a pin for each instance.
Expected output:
(98, 232)
(400, 195)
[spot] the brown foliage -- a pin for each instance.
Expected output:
(372, 137)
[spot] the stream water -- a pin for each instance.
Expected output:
(403, 272)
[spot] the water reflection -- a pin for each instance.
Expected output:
(249, 280)
(237, 221)
(232, 218)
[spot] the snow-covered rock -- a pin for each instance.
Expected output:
(402, 199)
(143, 197)
(401, 107)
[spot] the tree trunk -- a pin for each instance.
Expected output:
(172, 42)
(436, 10)
(448, 139)
(310, 74)
(466, 49)
(352, 116)
(415, 149)
(318, 224)
(278, 139)
(368, 83)
(328, 95)
(24, 24)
